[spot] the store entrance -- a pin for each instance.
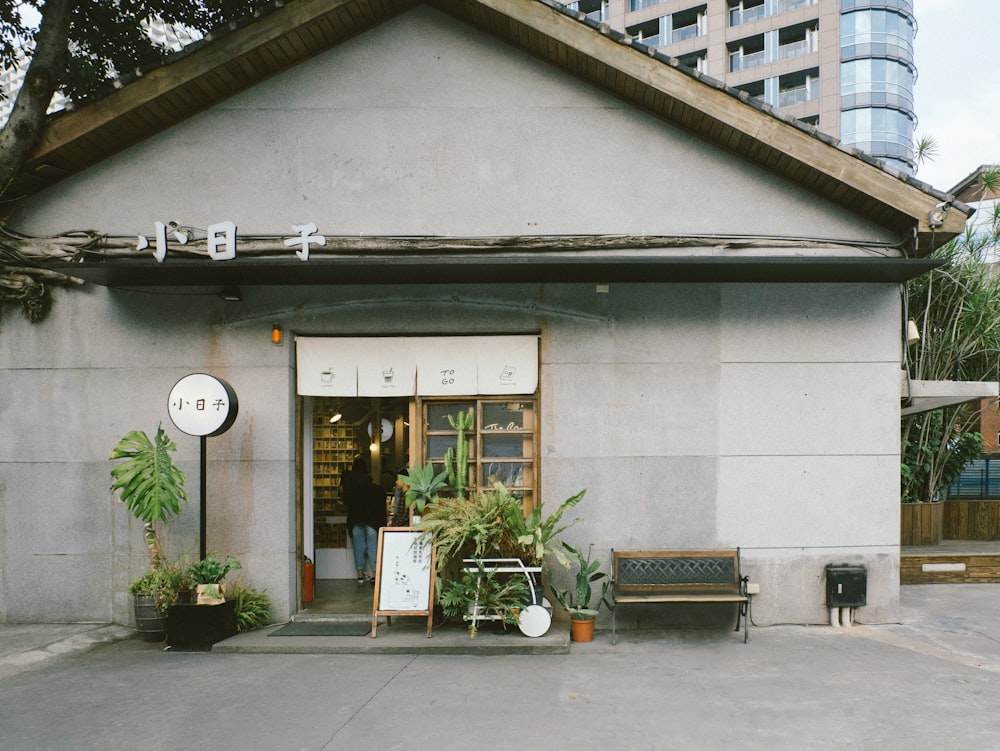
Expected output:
(339, 432)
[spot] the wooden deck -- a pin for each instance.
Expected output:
(950, 562)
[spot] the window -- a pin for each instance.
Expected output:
(877, 81)
(635, 5)
(876, 32)
(753, 88)
(595, 10)
(648, 33)
(746, 53)
(687, 24)
(694, 60)
(797, 40)
(783, 6)
(881, 132)
(502, 441)
(795, 88)
(745, 11)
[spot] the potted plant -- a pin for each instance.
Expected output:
(476, 527)
(579, 601)
(152, 593)
(253, 607)
(422, 486)
(484, 595)
(207, 575)
(538, 537)
(152, 488)
(213, 617)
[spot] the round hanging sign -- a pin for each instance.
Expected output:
(386, 429)
(200, 404)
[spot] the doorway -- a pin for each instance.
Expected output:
(338, 431)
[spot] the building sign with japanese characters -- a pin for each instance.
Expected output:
(202, 405)
(221, 240)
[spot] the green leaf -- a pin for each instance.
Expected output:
(148, 482)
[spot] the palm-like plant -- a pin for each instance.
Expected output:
(579, 601)
(149, 483)
(958, 306)
(538, 536)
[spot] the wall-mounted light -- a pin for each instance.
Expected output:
(335, 417)
(231, 294)
(912, 332)
(276, 334)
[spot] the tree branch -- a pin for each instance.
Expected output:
(21, 133)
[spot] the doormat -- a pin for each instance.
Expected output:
(323, 628)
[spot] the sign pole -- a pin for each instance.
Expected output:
(203, 405)
(203, 521)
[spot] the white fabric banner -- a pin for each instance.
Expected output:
(387, 368)
(507, 365)
(425, 365)
(446, 366)
(327, 367)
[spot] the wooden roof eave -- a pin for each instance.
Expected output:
(230, 63)
(155, 100)
(725, 114)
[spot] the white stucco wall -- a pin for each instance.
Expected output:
(423, 126)
(763, 416)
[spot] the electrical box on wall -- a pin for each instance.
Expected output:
(846, 586)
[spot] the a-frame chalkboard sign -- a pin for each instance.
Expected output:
(404, 576)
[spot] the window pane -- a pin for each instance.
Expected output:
(511, 474)
(507, 445)
(508, 416)
(438, 413)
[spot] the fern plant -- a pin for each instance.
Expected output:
(253, 607)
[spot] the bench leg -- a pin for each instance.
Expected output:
(746, 619)
(743, 612)
(614, 634)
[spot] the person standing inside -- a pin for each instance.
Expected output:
(365, 514)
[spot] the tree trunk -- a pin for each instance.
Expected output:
(27, 117)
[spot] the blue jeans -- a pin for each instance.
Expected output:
(364, 538)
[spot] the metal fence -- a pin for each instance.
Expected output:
(979, 479)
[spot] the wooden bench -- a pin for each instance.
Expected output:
(647, 576)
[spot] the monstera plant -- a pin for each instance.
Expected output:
(149, 484)
(152, 488)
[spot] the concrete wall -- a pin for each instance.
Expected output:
(695, 415)
(764, 416)
(424, 127)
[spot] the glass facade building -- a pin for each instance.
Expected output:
(845, 66)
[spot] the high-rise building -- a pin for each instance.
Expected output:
(844, 65)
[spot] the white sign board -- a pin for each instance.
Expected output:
(404, 575)
(202, 405)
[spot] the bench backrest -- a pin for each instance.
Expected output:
(681, 570)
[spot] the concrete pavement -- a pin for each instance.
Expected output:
(929, 682)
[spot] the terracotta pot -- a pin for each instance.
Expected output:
(581, 630)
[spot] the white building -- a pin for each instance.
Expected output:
(699, 321)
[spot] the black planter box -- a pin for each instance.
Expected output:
(198, 627)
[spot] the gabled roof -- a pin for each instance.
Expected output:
(970, 189)
(287, 33)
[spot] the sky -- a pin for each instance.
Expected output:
(957, 95)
